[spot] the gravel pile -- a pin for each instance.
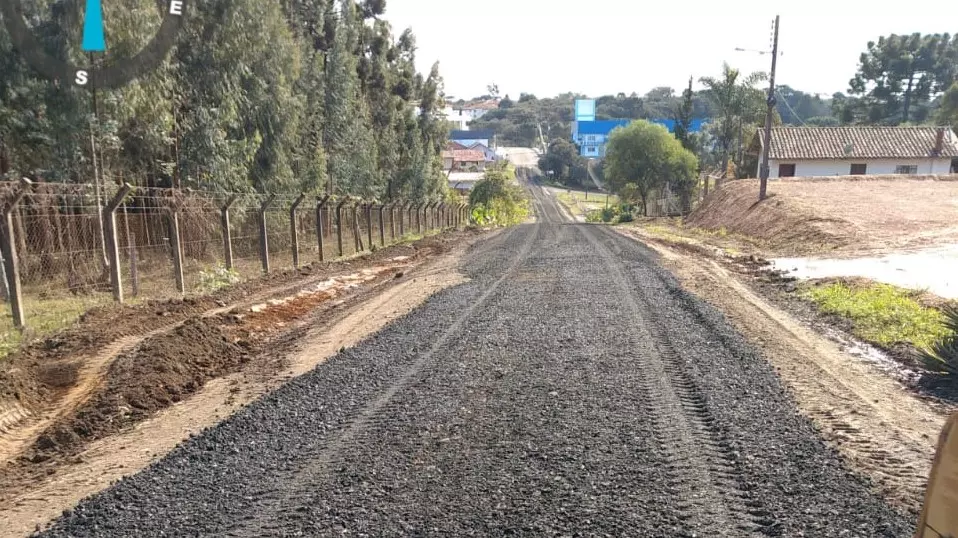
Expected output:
(571, 388)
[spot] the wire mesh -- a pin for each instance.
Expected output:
(60, 238)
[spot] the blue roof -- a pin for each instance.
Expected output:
(471, 135)
(602, 127)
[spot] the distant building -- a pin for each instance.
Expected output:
(591, 135)
(464, 160)
(460, 115)
(862, 150)
(463, 182)
(489, 154)
(470, 138)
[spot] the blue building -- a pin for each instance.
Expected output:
(591, 135)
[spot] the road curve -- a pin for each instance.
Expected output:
(571, 388)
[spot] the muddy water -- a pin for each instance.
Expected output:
(934, 269)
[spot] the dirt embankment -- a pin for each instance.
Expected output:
(841, 215)
(121, 364)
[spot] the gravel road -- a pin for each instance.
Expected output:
(571, 388)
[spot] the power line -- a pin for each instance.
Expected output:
(790, 109)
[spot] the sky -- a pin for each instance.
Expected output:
(599, 47)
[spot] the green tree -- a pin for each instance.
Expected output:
(562, 159)
(737, 105)
(948, 111)
(643, 157)
(497, 199)
(683, 119)
(898, 75)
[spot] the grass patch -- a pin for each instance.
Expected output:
(882, 314)
(44, 318)
(577, 204)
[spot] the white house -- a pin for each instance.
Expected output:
(860, 150)
(461, 115)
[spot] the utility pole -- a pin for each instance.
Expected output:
(763, 171)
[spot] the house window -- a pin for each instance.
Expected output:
(786, 170)
(906, 169)
(859, 169)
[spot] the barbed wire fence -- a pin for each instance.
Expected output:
(65, 249)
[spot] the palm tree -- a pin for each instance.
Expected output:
(733, 97)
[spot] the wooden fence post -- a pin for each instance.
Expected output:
(339, 224)
(227, 233)
(112, 244)
(319, 226)
(11, 263)
(174, 216)
(382, 225)
(404, 209)
(263, 234)
(293, 232)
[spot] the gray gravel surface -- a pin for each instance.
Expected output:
(571, 388)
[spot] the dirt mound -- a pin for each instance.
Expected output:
(159, 372)
(848, 214)
(780, 222)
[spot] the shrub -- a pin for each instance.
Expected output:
(942, 356)
(497, 201)
(217, 278)
(625, 216)
(594, 215)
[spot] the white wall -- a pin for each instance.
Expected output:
(832, 167)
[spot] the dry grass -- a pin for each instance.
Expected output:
(805, 216)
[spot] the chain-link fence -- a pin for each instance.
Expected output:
(68, 247)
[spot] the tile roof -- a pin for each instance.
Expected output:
(799, 143)
(464, 155)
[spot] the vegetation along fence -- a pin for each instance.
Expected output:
(67, 247)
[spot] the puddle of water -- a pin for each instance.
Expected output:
(872, 356)
(935, 270)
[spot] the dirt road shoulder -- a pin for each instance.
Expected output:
(28, 503)
(881, 429)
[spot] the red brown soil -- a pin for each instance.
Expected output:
(806, 216)
(156, 374)
(203, 342)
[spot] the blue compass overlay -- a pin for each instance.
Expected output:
(93, 40)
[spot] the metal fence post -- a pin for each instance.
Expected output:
(227, 233)
(339, 224)
(174, 216)
(112, 244)
(263, 235)
(293, 232)
(11, 264)
(382, 225)
(319, 226)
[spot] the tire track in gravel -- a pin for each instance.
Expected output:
(316, 472)
(701, 469)
(585, 396)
